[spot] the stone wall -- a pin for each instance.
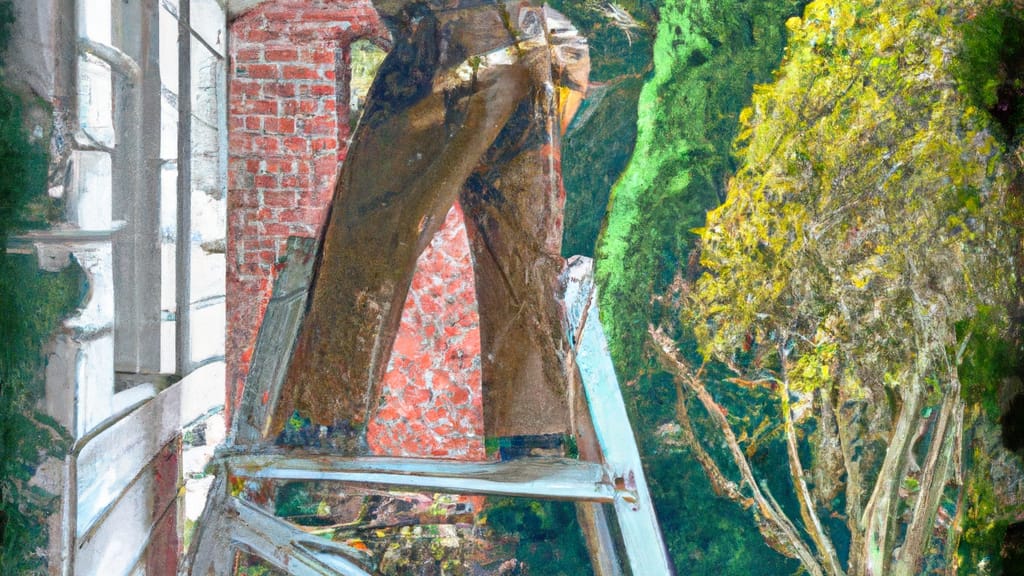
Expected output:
(289, 85)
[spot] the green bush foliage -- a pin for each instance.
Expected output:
(990, 68)
(707, 58)
(32, 303)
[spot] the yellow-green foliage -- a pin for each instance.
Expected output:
(872, 210)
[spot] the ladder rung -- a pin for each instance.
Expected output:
(553, 478)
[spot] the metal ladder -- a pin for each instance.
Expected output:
(230, 524)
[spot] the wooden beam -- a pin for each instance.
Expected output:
(288, 548)
(275, 343)
(548, 478)
(183, 252)
(136, 247)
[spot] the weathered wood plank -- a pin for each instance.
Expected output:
(288, 548)
(110, 462)
(210, 553)
(637, 521)
(275, 343)
(551, 478)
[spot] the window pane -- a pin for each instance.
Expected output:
(95, 100)
(365, 58)
(207, 237)
(94, 20)
(207, 329)
(168, 265)
(168, 51)
(206, 83)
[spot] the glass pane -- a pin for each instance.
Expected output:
(208, 329)
(208, 20)
(94, 20)
(206, 74)
(198, 444)
(95, 100)
(168, 127)
(90, 207)
(365, 58)
(207, 234)
(168, 51)
(168, 264)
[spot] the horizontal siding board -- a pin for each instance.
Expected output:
(111, 461)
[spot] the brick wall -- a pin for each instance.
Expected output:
(288, 129)
(433, 402)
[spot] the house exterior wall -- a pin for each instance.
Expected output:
(289, 129)
(98, 71)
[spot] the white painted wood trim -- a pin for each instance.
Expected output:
(107, 464)
(550, 478)
(638, 523)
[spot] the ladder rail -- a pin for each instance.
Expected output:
(547, 478)
(638, 523)
(263, 534)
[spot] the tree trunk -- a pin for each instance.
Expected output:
(878, 519)
(935, 475)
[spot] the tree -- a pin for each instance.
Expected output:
(707, 58)
(869, 233)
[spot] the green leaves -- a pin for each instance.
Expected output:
(31, 306)
(23, 163)
(814, 369)
(708, 56)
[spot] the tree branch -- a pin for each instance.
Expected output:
(782, 534)
(849, 442)
(878, 513)
(719, 483)
(934, 477)
(811, 521)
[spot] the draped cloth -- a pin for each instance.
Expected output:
(468, 106)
